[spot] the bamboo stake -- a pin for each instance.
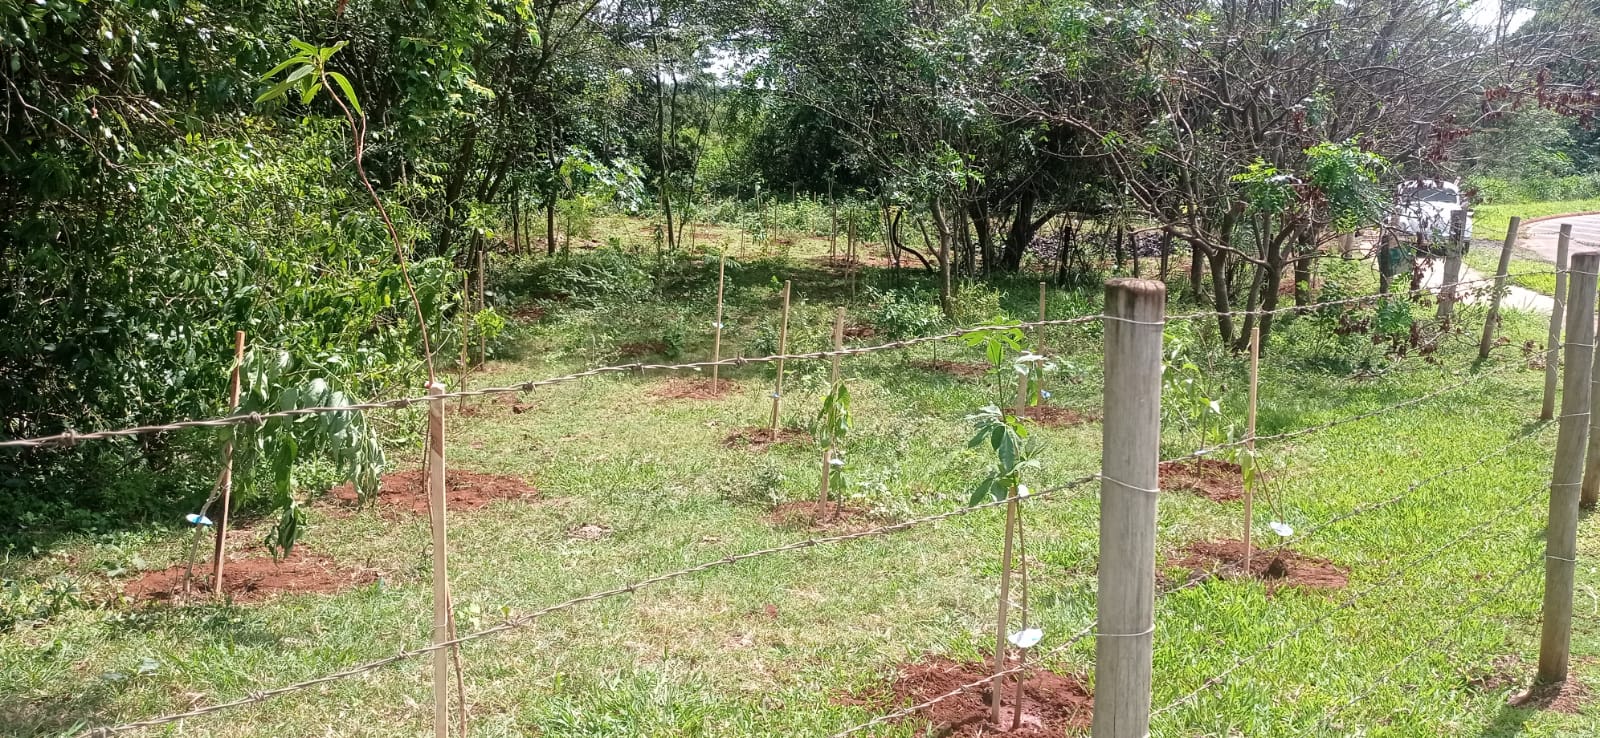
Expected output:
(1038, 339)
(466, 333)
(833, 385)
(483, 266)
(1250, 437)
(1022, 653)
(833, 225)
(1003, 615)
(226, 483)
(783, 347)
(716, 339)
(441, 581)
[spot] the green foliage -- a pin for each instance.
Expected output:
(1014, 452)
(1346, 178)
(30, 601)
(307, 72)
(1266, 189)
(589, 278)
(974, 303)
(830, 428)
(1190, 399)
(899, 313)
(267, 456)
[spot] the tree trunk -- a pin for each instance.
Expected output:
(1197, 272)
(946, 304)
(1219, 294)
(1020, 234)
(550, 225)
(1307, 239)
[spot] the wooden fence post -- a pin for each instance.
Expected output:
(716, 338)
(1489, 323)
(466, 334)
(1452, 265)
(1561, 535)
(226, 482)
(441, 581)
(783, 348)
(1552, 344)
(483, 266)
(1131, 439)
(1250, 436)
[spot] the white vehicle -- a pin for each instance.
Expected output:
(1425, 206)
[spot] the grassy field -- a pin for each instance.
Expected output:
(1446, 580)
(1491, 222)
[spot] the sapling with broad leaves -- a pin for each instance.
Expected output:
(832, 425)
(1006, 436)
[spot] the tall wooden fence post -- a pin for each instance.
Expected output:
(441, 581)
(1452, 265)
(783, 348)
(1250, 437)
(1561, 535)
(226, 482)
(1489, 323)
(483, 266)
(716, 338)
(1131, 437)
(1552, 344)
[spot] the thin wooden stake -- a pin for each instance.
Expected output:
(1487, 342)
(1250, 436)
(1022, 653)
(783, 348)
(1552, 344)
(1561, 533)
(716, 338)
(1131, 441)
(226, 483)
(998, 684)
(441, 575)
(833, 386)
(483, 266)
(466, 334)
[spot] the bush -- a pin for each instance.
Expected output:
(585, 278)
(904, 313)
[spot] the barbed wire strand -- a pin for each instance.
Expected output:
(525, 619)
(70, 438)
(1354, 300)
(1354, 598)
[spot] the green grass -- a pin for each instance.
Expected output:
(1527, 270)
(1491, 221)
(706, 656)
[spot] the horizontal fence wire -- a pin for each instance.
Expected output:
(70, 438)
(1461, 620)
(1354, 598)
(1294, 309)
(524, 620)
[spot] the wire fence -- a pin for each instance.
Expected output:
(1119, 407)
(71, 438)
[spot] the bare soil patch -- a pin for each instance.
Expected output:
(963, 369)
(809, 514)
(1051, 416)
(1215, 480)
(463, 490)
(760, 438)
(1278, 567)
(693, 388)
(1567, 698)
(1053, 704)
(590, 532)
(250, 578)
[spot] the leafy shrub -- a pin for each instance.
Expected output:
(23, 602)
(904, 313)
(584, 278)
(975, 303)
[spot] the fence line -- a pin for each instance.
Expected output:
(520, 621)
(1355, 597)
(70, 438)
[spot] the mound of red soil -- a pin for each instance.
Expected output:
(1278, 567)
(693, 388)
(810, 514)
(964, 369)
(1218, 481)
(463, 490)
(758, 439)
(1050, 416)
(1568, 697)
(1053, 704)
(250, 578)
